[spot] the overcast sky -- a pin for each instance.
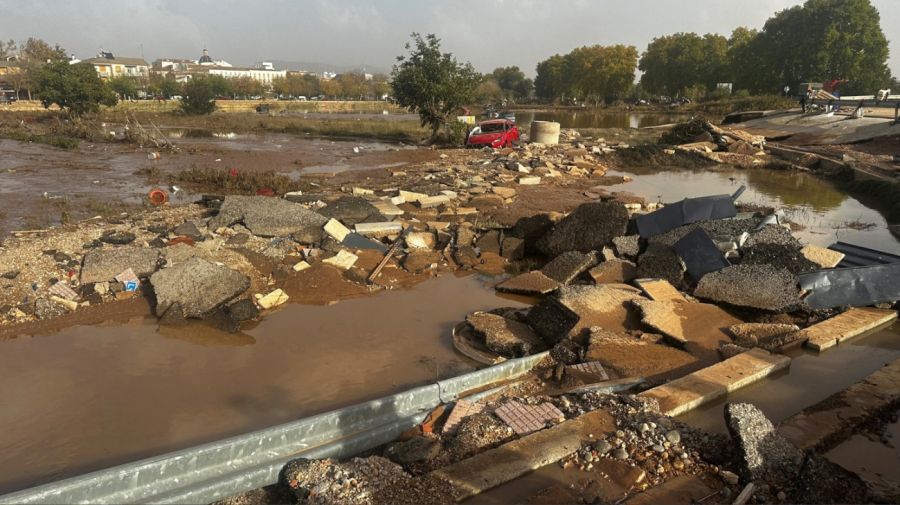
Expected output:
(367, 32)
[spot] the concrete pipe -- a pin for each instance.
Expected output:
(545, 132)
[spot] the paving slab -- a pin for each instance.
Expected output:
(659, 289)
(525, 419)
(491, 468)
(379, 229)
(343, 260)
(854, 322)
(336, 230)
(710, 383)
(700, 326)
(826, 258)
(462, 409)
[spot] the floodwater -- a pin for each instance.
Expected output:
(811, 378)
(87, 398)
(599, 119)
(876, 461)
(827, 214)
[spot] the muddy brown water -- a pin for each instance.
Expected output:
(599, 119)
(89, 397)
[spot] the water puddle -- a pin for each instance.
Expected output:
(599, 119)
(876, 461)
(810, 379)
(826, 213)
(89, 397)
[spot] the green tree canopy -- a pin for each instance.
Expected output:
(124, 86)
(512, 82)
(591, 73)
(431, 83)
(75, 88)
(200, 95)
(676, 62)
(819, 41)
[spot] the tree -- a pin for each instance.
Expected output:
(297, 85)
(353, 85)
(489, 91)
(823, 40)
(124, 86)
(163, 85)
(676, 62)
(330, 87)
(592, 73)
(33, 54)
(200, 96)
(431, 83)
(75, 88)
(512, 82)
(743, 62)
(549, 83)
(245, 87)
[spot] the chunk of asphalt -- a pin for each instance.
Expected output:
(590, 227)
(265, 216)
(506, 337)
(566, 267)
(660, 262)
(195, 288)
(531, 283)
(758, 286)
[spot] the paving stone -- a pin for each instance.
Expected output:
(589, 372)
(614, 271)
(461, 410)
(343, 260)
(525, 419)
(759, 334)
(825, 258)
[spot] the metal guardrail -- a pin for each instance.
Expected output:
(227, 467)
(860, 103)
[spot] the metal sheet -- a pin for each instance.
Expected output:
(689, 210)
(856, 256)
(853, 287)
(227, 467)
(700, 254)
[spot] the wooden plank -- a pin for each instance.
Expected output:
(703, 386)
(852, 323)
(512, 460)
(660, 290)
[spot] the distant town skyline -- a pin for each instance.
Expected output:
(365, 33)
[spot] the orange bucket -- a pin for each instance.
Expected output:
(158, 196)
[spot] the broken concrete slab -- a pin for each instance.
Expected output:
(342, 260)
(266, 216)
(195, 288)
(779, 255)
(760, 334)
(386, 208)
(434, 201)
(512, 248)
(566, 267)
(697, 325)
(531, 283)
(614, 271)
(659, 289)
(102, 265)
(773, 234)
(716, 381)
(852, 323)
(661, 262)
(272, 299)
(759, 286)
(380, 229)
(764, 455)
(628, 245)
(530, 230)
(529, 181)
(825, 258)
(489, 242)
(336, 230)
(590, 227)
(575, 308)
(504, 336)
(419, 260)
(350, 210)
(420, 240)
(504, 192)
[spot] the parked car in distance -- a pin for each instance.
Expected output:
(493, 133)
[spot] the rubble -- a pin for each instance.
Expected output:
(759, 286)
(267, 217)
(102, 265)
(614, 271)
(566, 267)
(531, 283)
(589, 227)
(194, 288)
(574, 308)
(661, 262)
(505, 336)
(350, 210)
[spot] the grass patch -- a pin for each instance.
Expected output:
(650, 155)
(59, 141)
(240, 182)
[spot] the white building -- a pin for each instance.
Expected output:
(263, 75)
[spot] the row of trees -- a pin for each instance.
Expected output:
(29, 55)
(592, 74)
(350, 85)
(818, 41)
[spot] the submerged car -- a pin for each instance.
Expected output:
(493, 133)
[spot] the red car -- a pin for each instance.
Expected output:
(493, 133)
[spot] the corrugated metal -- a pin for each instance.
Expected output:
(856, 256)
(220, 469)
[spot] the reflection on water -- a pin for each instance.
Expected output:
(823, 210)
(599, 119)
(810, 379)
(91, 397)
